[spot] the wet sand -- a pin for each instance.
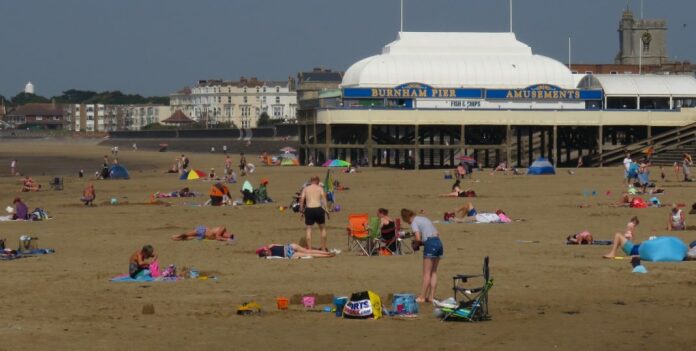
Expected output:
(547, 295)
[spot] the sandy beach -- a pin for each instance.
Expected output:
(547, 295)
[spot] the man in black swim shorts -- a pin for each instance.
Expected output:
(312, 200)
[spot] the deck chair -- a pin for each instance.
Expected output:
(404, 239)
(56, 183)
(360, 237)
(472, 299)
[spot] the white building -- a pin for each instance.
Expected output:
(105, 118)
(29, 88)
(238, 103)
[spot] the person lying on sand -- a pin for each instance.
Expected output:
(502, 167)
(291, 250)
(582, 238)
(88, 195)
(140, 260)
(458, 192)
(624, 240)
(203, 232)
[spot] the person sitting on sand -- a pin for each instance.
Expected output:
(88, 195)
(625, 240)
(21, 210)
(186, 192)
(29, 184)
(140, 260)
(211, 175)
(174, 167)
(387, 229)
(219, 194)
(202, 232)
(460, 171)
(262, 192)
(291, 250)
(582, 238)
(676, 219)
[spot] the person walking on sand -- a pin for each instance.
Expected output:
(425, 234)
(312, 202)
(13, 168)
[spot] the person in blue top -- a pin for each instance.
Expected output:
(427, 235)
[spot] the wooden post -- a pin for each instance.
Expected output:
(327, 147)
(508, 149)
(519, 146)
(416, 152)
(369, 145)
(600, 145)
(555, 145)
(462, 142)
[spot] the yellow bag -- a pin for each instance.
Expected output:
(363, 305)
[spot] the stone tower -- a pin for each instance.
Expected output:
(648, 35)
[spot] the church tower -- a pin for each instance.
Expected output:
(644, 37)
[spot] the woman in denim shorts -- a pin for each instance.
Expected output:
(427, 235)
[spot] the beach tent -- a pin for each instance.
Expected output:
(192, 174)
(541, 166)
(289, 162)
(336, 163)
(118, 172)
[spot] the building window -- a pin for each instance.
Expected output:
(246, 100)
(229, 99)
(257, 90)
(264, 99)
(264, 89)
(613, 72)
(277, 111)
(277, 89)
(277, 99)
(588, 72)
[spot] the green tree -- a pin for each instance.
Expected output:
(74, 96)
(25, 98)
(2, 100)
(264, 120)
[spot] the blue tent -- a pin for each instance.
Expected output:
(118, 172)
(541, 166)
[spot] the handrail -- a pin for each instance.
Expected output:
(661, 142)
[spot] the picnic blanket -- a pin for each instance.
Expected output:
(143, 278)
(13, 255)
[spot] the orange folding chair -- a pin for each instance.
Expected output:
(359, 238)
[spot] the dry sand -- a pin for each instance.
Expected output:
(547, 295)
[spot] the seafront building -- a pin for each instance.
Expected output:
(431, 98)
(107, 118)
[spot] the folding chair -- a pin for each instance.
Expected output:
(473, 306)
(402, 236)
(56, 183)
(360, 237)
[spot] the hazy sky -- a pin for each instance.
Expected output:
(154, 47)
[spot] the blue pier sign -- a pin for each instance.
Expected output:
(413, 91)
(543, 92)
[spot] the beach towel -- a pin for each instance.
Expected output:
(125, 278)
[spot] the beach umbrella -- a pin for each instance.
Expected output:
(329, 186)
(336, 163)
(192, 175)
(288, 150)
(290, 162)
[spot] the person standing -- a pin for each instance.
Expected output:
(627, 161)
(13, 167)
(228, 166)
(312, 201)
(687, 161)
(184, 163)
(425, 234)
(242, 164)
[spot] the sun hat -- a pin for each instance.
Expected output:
(264, 181)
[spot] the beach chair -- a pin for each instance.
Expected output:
(56, 183)
(404, 239)
(360, 238)
(472, 298)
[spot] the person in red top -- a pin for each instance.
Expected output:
(218, 192)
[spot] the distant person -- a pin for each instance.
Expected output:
(625, 240)
(212, 149)
(627, 161)
(88, 195)
(582, 238)
(219, 194)
(224, 149)
(387, 229)
(202, 232)
(81, 173)
(21, 210)
(140, 260)
(211, 174)
(579, 162)
(228, 166)
(135, 147)
(184, 162)
(460, 171)
(116, 151)
(29, 184)
(312, 201)
(13, 168)
(242, 164)
(687, 161)
(262, 192)
(291, 250)
(676, 220)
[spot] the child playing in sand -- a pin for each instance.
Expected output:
(88, 195)
(202, 232)
(140, 260)
(624, 240)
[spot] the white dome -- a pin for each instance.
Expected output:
(475, 60)
(29, 88)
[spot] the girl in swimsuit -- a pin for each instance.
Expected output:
(291, 250)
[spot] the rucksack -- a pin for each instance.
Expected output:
(39, 214)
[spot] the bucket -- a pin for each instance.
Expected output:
(308, 301)
(282, 303)
(404, 304)
(340, 302)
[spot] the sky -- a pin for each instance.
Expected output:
(155, 47)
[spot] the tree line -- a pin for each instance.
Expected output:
(74, 96)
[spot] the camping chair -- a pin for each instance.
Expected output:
(473, 306)
(56, 183)
(396, 242)
(360, 237)
(402, 236)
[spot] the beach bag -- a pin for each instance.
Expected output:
(404, 304)
(38, 215)
(363, 305)
(154, 269)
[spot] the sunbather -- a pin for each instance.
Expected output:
(582, 238)
(458, 192)
(202, 232)
(21, 211)
(29, 184)
(88, 195)
(291, 250)
(502, 167)
(624, 240)
(140, 260)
